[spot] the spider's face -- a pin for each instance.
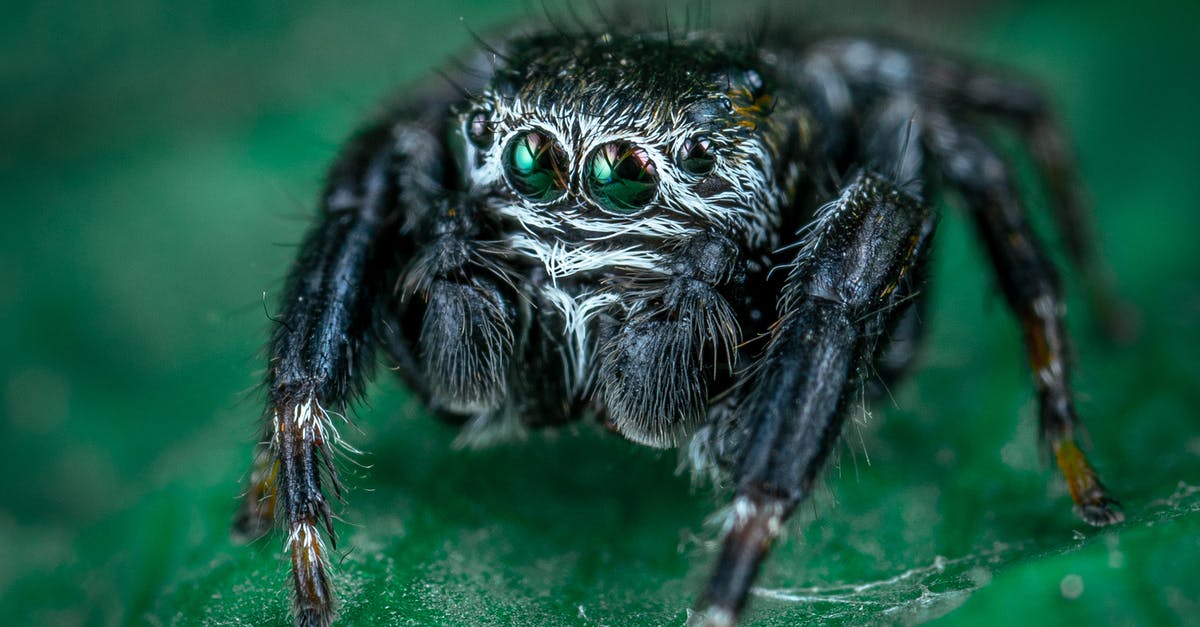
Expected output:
(651, 143)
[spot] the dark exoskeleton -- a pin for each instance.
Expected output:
(689, 240)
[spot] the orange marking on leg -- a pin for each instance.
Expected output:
(257, 511)
(268, 490)
(309, 569)
(1039, 348)
(1081, 477)
(1094, 504)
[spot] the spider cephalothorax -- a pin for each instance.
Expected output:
(608, 184)
(677, 236)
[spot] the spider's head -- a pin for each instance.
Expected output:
(605, 137)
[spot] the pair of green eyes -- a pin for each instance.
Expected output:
(619, 176)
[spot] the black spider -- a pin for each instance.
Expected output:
(684, 238)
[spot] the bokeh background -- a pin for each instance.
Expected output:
(158, 161)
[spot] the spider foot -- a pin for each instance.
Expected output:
(1101, 512)
(1093, 503)
(712, 617)
(313, 618)
(314, 601)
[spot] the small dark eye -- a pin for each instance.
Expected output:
(536, 166)
(479, 129)
(696, 156)
(621, 177)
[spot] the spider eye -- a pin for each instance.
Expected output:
(696, 156)
(621, 177)
(536, 166)
(479, 129)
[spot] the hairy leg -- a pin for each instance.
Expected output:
(891, 144)
(873, 66)
(853, 270)
(322, 348)
(1031, 289)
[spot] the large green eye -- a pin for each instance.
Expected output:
(621, 177)
(536, 166)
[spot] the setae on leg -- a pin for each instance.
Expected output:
(320, 354)
(466, 336)
(1031, 289)
(878, 66)
(844, 289)
(654, 371)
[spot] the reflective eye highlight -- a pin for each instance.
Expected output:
(536, 166)
(479, 130)
(621, 177)
(696, 156)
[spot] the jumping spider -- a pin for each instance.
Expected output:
(691, 240)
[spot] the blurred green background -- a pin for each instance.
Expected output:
(157, 163)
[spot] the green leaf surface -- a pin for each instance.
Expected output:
(160, 161)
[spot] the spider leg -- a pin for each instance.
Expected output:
(845, 289)
(891, 143)
(955, 85)
(1024, 104)
(320, 353)
(1031, 289)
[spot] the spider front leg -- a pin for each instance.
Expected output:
(1031, 289)
(322, 347)
(845, 289)
(653, 369)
